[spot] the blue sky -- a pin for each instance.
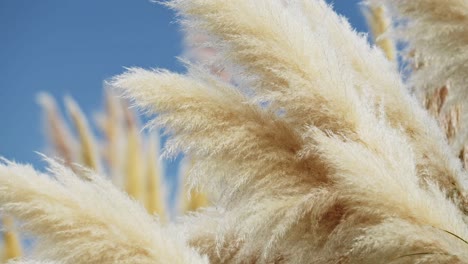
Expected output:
(69, 47)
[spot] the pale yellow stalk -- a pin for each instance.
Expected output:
(112, 123)
(154, 174)
(110, 127)
(195, 201)
(380, 23)
(88, 147)
(12, 244)
(58, 133)
(134, 173)
(192, 199)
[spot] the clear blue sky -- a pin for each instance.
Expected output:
(68, 47)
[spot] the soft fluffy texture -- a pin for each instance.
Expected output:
(291, 56)
(273, 186)
(86, 219)
(380, 26)
(436, 34)
(88, 147)
(315, 153)
(318, 154)
(59, 135)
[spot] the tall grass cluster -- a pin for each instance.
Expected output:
(305, 144)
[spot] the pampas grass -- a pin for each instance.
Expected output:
(67, 210)
(88, 148)
(435, 33)
(192, 199)
(11, 240)
(379, 22)
(154, 174)
(315, 151)
(324, 131)
(129, 156)
(121, 151)
(58, 133)
(272, 52)
(134, 167)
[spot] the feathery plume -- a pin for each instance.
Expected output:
(268, 40)
(437, 46)
(379, 23)
(437, 35)
(88, 146)
(86, 221)
(449, 119)
(271, 180)
(112, 125)
(333, 171)
(154, 173)
(316, 153)
(57, 130)
(134, 160)
(198, 50)
(191, 198)
(124, 144)
(434, 157)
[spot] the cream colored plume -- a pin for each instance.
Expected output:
(285, 52)
(336, 153)
(380, 25)
(130, 165)
(57, 130)
(134, 161)
(111, 124)
(316, 152)
(86, 220)
(88, 147)
(270, 192)
(192, 198)
(155, 191)
(436, 34)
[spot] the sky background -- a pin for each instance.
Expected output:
(69, 47)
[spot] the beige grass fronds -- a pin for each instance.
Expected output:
(134, 161)
(379, 21)
(88, 147)
(57, 130)
(86, 221)
(154, 176)
(191, 198)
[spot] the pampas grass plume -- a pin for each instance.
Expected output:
(57, 131)
(313, 151)
(68, 210)
(191, 198)
(379, 22)
(88, 146)
(154, 176)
